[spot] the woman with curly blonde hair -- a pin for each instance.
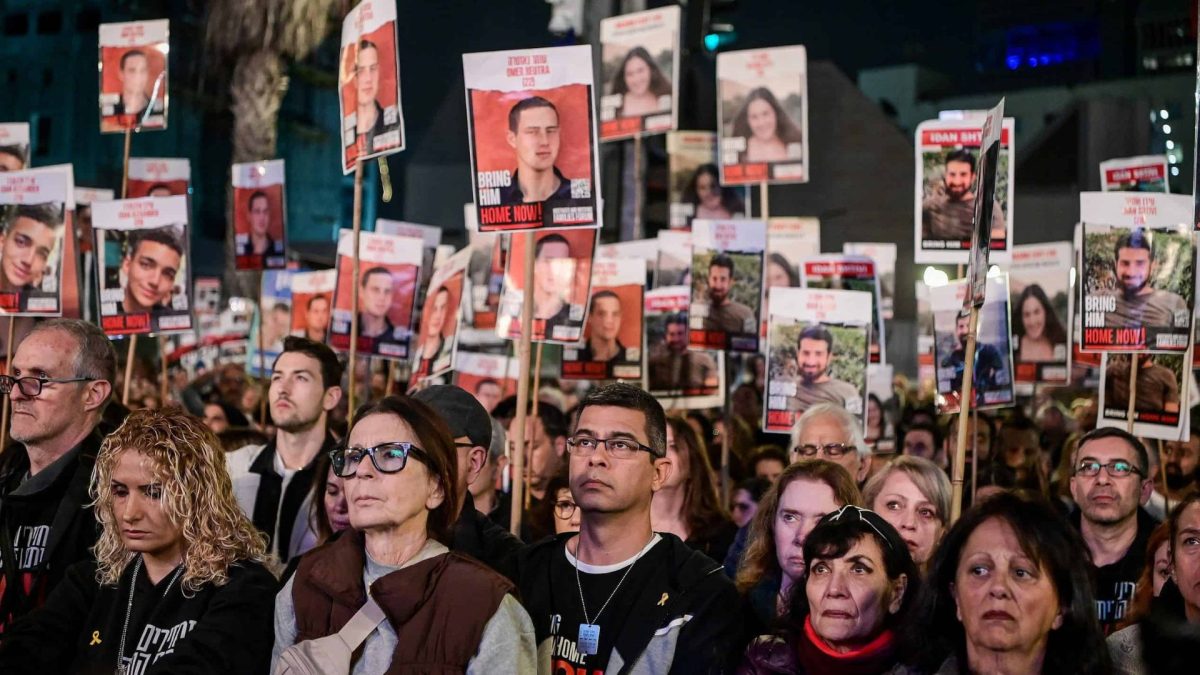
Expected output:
(178, 582)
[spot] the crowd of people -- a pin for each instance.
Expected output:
(244, 528)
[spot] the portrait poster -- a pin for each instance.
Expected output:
(35, 225)
(388, 269)
(674, 264)
(158, 177)
(1159, 409)
(985, 196)
(142, 265)
(694, 187)
(993, 380)
(490, 378)
(884, 256)
(639, 67)
(1039, 285)
(133, 75)
(947, 181)
(790, 241)
(437, 335)
(273, 320)
(679, 377)
(762, 115)
(369, 84)
(727, 284)
(562, 277)
(1147, 173)
(206, 304)
(312, 303)
(817, 341)
(14, 146)
(431, 238)
(850, 273)
(259, 215)
(645, 250)
(532, 136)
(1139, 287)
(487, 278)
(612, 336)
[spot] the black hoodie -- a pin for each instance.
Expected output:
(217, 630)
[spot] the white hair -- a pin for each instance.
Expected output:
(851, 427)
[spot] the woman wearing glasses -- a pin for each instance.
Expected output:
(688, 505)
(912, 494)
(566, 511)
(857, 590)
(399, 464)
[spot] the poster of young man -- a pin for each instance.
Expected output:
(762, 113)
(562, 277)
(677, 376)
(532, 136)
(430, 236)
(259, 215)
(142, 265)
(612, 336)
(694, 187)
(490, 378)
(35, 213)
(817, 343)
(640, 69)
(1147, 173)
(273, 320)
(158, 177)
(993, 380)
(1158, 409)
(14, 146)
(133, 75)
(727, 284)
(884, 256)
(947, 169)
(312, 303)
(674, 264)
(1039, 283)
(369, 84)
(388, 269)
(437, 334)
(849, 273)
(1138, 288)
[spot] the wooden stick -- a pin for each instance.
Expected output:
(518, 459)
(764, 200)
(960, 452)
(262, 360)
(974, 453)
(358, 171)
(7, 368)
(1133, 373)
(1162, 471)
(536, 398)
(638, 189)
(727, 441)
(129, 353)
(391, 378)
(165, 383)
(125, 164)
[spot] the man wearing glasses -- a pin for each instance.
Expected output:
(1109, 483)
(58, 384)
(617, 593)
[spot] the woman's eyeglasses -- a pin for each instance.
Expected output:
(387, 457)
(564, 509)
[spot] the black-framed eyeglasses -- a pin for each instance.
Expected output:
(564, 509)
(831, 450)
(32, 386)
(619, 448)
(1118, 468)
(387, 457)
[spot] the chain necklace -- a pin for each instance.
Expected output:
(589, 632)
(122, 667)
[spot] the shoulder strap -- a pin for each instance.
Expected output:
(362, 624)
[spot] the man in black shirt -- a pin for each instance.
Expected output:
(63, 373)
(617, 595)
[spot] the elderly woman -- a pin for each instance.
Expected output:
(1009, 592)
(912, 494)
(177, 584)
(774, 560)
(859, 585)
(399, 464)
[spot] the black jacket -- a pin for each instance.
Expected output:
(477, 536)
(217, 630)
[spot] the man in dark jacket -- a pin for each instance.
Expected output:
(617, 597)
(59, 383)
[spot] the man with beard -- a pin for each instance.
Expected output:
(949, 213)
(273, 482)
(814, 352)
(1157, 390)
(725, 314)
(604, 325)
(674, 368)
(1109, 482)
(1180, 461)
(1138, 304)
(988, 363)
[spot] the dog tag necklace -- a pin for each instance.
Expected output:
(589, 630)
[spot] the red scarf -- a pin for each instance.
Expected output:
(817, 658)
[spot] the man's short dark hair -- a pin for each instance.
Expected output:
(315, 298)
(158, 186)
(374, 270)
(49, 215)
(554, 422)
(816, 332)
(722, 260)
(331, 368)
(257, 194)
(15, 151)
(486, 380)
(549, 239)
(962, 155)
(1136, 238)
(677, 318)
(131, 52)
(769, 453)
(281, 306)
(514, 114)
(629, 397)
(930, 427)
(606, 293)
(167, 235)
(367, 44)
(1141, 455)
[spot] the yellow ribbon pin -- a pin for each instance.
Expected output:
(95, 638)
(663, 600)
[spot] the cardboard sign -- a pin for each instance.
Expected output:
(677, 376)
(312, 303)
(35, 215)
(640, 67)
(884, 256)
(849, 273)
(158, 177)
(14, 146)
(133, 75)
(389, 267)
(727, 284)
(612, 336)
(437, 336)
(993, 380)
(259, 215)
(762, 112)
(694, 189)
(562, 276)
(369, 84)
(1147, 173)
(1159, 410)
(1039, 283)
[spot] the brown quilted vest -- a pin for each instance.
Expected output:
(438, 607)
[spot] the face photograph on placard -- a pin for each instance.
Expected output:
(993, 376)
(133, 75)
(259, 215)
(612, 335)
(849, 273)
(272, 322)
(763, 108)
(14, 146)
(1138, 288)
(695, 189)
(312, 303)
(817, 363)
(437, 331)
(562, 269)
(884, 256)
(31, 249)
(1040, 288)
(727, 278)
(639, 53)
(490, 378)
(158, 177)
(687, 377)
(1158, 407)
(389, 267)
(372, 118)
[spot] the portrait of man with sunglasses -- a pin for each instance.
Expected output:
(1110, 481)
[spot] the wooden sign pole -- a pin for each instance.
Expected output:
(132, 346)
(1133, 373)
(523, 348)
(960, 450)
(357, 224)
